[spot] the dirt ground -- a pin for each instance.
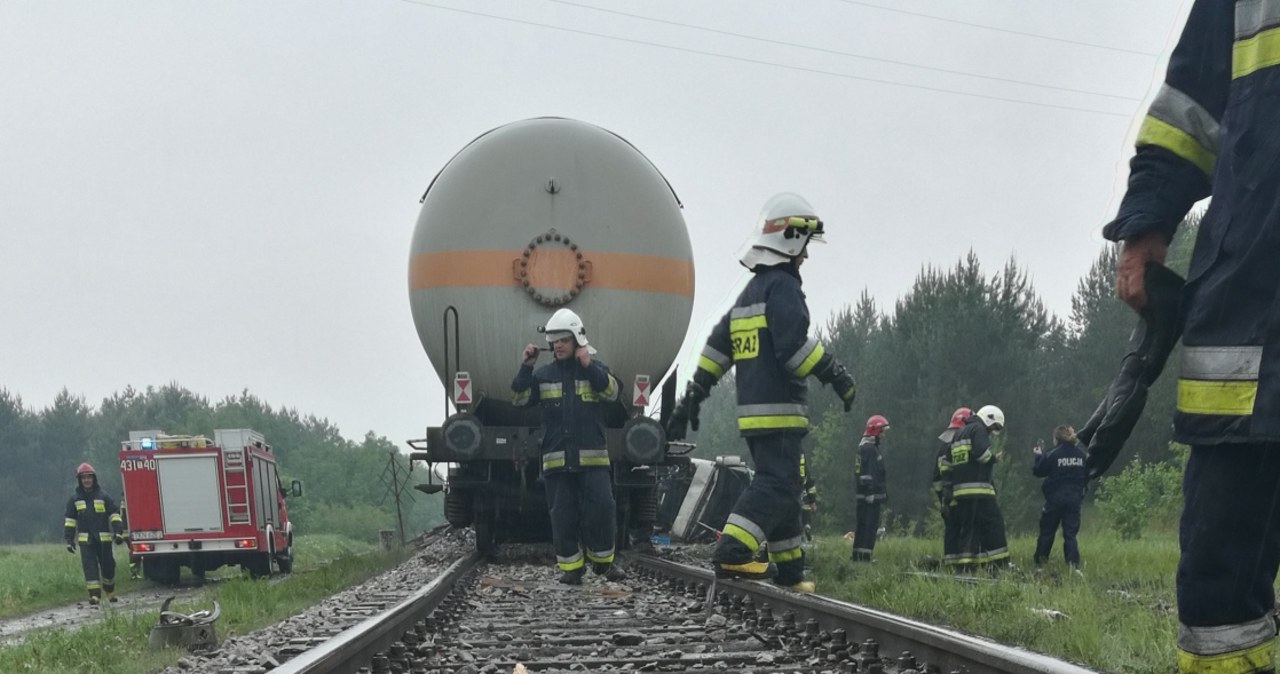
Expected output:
(14, 629)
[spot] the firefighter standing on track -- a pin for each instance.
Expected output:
(575, 459)
(1065, 477)
(93, 523)
(765, 337)
(975, 528)
(808, 497)
(872, 491)
(1214, 130)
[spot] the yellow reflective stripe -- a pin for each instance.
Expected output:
(773, 421)
(1159, 132)
(1230, 398)
(521, 398)
(92, 584)
(611, 391)
(103, 537)
(551, 394)
(81, 505)
(806, 365)
(552, 460)
(748, 323)
(1255, 53)
(570, 563)
(593, 457)
(600, 557)
(974, 491)
(69, 522)
(1258, 658)
(742, 535)
(785, 555)
(83, 538)
(710, 366)
(99, 506)
(116, 518)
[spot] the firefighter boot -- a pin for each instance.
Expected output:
(573, 577)
(733, 559)
(613, 573)
(94, 601)
(111, 597)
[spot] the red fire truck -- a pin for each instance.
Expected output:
(203, 503)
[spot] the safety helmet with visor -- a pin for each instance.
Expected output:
(566, 323)
(992, 417)
(786, 224)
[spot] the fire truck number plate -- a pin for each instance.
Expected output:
(146, 535)
(137, 464)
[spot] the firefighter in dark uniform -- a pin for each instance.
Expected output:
(872, 491)
(942, 463)
(975, 528)
(1065, 477)
(765, 337)
(808, 497)
(575, 459)
(1214, 130)
(93, 523)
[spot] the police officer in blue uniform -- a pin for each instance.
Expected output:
(1213, 129)
(765, 337)
(575, 459)
(1065, 477)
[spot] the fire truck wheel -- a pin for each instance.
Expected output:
(258, 566)
(162, 571)
(284, 560)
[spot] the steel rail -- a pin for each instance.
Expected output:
(948, 649)
(355, 647)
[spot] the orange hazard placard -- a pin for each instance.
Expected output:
(462, 388)
(641, 388)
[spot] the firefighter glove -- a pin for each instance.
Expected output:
(842, 383)
(71, 547)
(117, 539)
(1159, 329)
(685, 415)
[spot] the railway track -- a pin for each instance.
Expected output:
(485, 618)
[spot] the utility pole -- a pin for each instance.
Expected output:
(395, 487)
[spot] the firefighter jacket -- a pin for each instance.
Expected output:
(765, 337)
(810, 495)
(1064, 473)
(942, 464)
(572, 419)
(969, 461)
(870, 469)
(1214, 130)
(92, 516)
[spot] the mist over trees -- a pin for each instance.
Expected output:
(964, 336)
(343, 480)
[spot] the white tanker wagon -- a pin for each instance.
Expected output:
(528, 218)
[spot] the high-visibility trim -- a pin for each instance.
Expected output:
(613, 390)
(104, 537)
(714, 362)
(1180, 111)
(771, 423)
(69, 522)
(753, 531)
(785, 555)
(92, 584)
(551, 390)
(1227, 649)
(99, 506)
(767, 409)
(81, 505)
(787, 544)
(1155, 131)
(750, 310)
(582, 388)
(1255, 53)
(748, 323)
(974, 489)
(993, 555)
(801, 363)
(1221, 363)
(1254, 16)
(82, 537)
(522, 398)
(552, 460)
(609, 269)
(960, 558)
(735, 531)
(987, 456)
(593, 457)
(960, 450)
(600, 557)
(115, 517)
(570, 563)
(1228, 398)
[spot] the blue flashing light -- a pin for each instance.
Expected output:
(148, 443)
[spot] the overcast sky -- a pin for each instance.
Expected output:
(222, 194)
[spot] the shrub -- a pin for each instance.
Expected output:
(1143, 494)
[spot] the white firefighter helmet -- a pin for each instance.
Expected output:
(565, 323)
(992, 417)
(786, 223)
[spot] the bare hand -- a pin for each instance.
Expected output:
(1134, 255)
(583, 355)
(530, 354)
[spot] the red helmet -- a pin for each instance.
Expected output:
(958, 417)
(85, 469)
(876, 425)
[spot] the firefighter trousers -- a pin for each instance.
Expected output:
(768, 510)
(974, 532)
(1064, 512)
(99, 566)
(864, 535)
(1229, 536)
(583, 515)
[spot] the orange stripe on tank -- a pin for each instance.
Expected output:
(553, 268)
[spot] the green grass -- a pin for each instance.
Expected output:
(1120, 613)
(118, 643)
